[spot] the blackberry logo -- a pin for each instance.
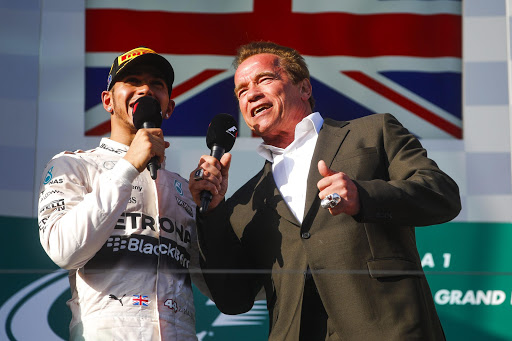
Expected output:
(116, 243)
(146, 245)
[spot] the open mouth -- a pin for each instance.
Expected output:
(130, 107)
(261, 109)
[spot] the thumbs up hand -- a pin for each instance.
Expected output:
(340, 183)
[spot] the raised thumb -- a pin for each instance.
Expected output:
(323, 169)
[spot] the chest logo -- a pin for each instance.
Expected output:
(113, 297)
(178, 187)
(48, 176)
(186, 206)
(109, 164)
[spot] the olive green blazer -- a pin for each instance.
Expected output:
(366, 267)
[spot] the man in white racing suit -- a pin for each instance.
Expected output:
(128, 241)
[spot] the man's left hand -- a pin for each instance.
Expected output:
(338, 182)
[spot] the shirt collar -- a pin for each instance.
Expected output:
(111, 146)
(312, 122)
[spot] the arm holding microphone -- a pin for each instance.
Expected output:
(213, 186)
(77, 232)
(221, 249)
(147, 146)
(209, 182)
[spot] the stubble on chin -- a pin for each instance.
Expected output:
(125, 122)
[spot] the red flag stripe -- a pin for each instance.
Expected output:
(194, 81)
(104, 127)
(404, 102)
(99, 130)
(315, 34)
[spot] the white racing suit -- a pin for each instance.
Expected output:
(127, 241)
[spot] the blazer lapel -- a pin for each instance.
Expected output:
(329, 141)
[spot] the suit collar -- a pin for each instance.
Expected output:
(308, 123)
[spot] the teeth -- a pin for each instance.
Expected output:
(260, 109)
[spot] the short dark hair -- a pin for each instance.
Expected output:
(290, 59)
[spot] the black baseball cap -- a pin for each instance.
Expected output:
(138, 56)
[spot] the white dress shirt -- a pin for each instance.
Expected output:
(290, 166)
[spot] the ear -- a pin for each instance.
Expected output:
(170, 109)
(106, 99)
(306, 89)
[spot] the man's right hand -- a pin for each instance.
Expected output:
(146, 144)
(215, 179)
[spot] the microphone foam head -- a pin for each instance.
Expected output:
(147, 110)
(222, 131)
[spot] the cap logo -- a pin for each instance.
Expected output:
(158, 61)
(133, 54)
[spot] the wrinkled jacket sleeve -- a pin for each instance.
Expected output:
(227, 266)
(414, 192)
(233, 290)
(75, 215)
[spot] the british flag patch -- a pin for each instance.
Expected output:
(140, 300)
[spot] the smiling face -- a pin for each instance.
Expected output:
(270, 102)
(138, 82)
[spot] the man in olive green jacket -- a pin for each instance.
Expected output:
(349, 271)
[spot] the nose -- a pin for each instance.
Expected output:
(254, 93)
(145, 90)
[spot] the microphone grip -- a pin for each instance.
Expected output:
(206, 196)
(153, 164)
(153, 167)
(206, 199)
(217, 151)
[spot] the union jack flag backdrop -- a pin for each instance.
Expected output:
(365, 56)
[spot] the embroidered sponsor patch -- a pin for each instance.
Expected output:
(186, 206)
(48, 176)
(177, 185)
(109, 164)
(58, 205)
(114, 297)
(175, 307)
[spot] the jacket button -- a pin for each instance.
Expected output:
(305, 235)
